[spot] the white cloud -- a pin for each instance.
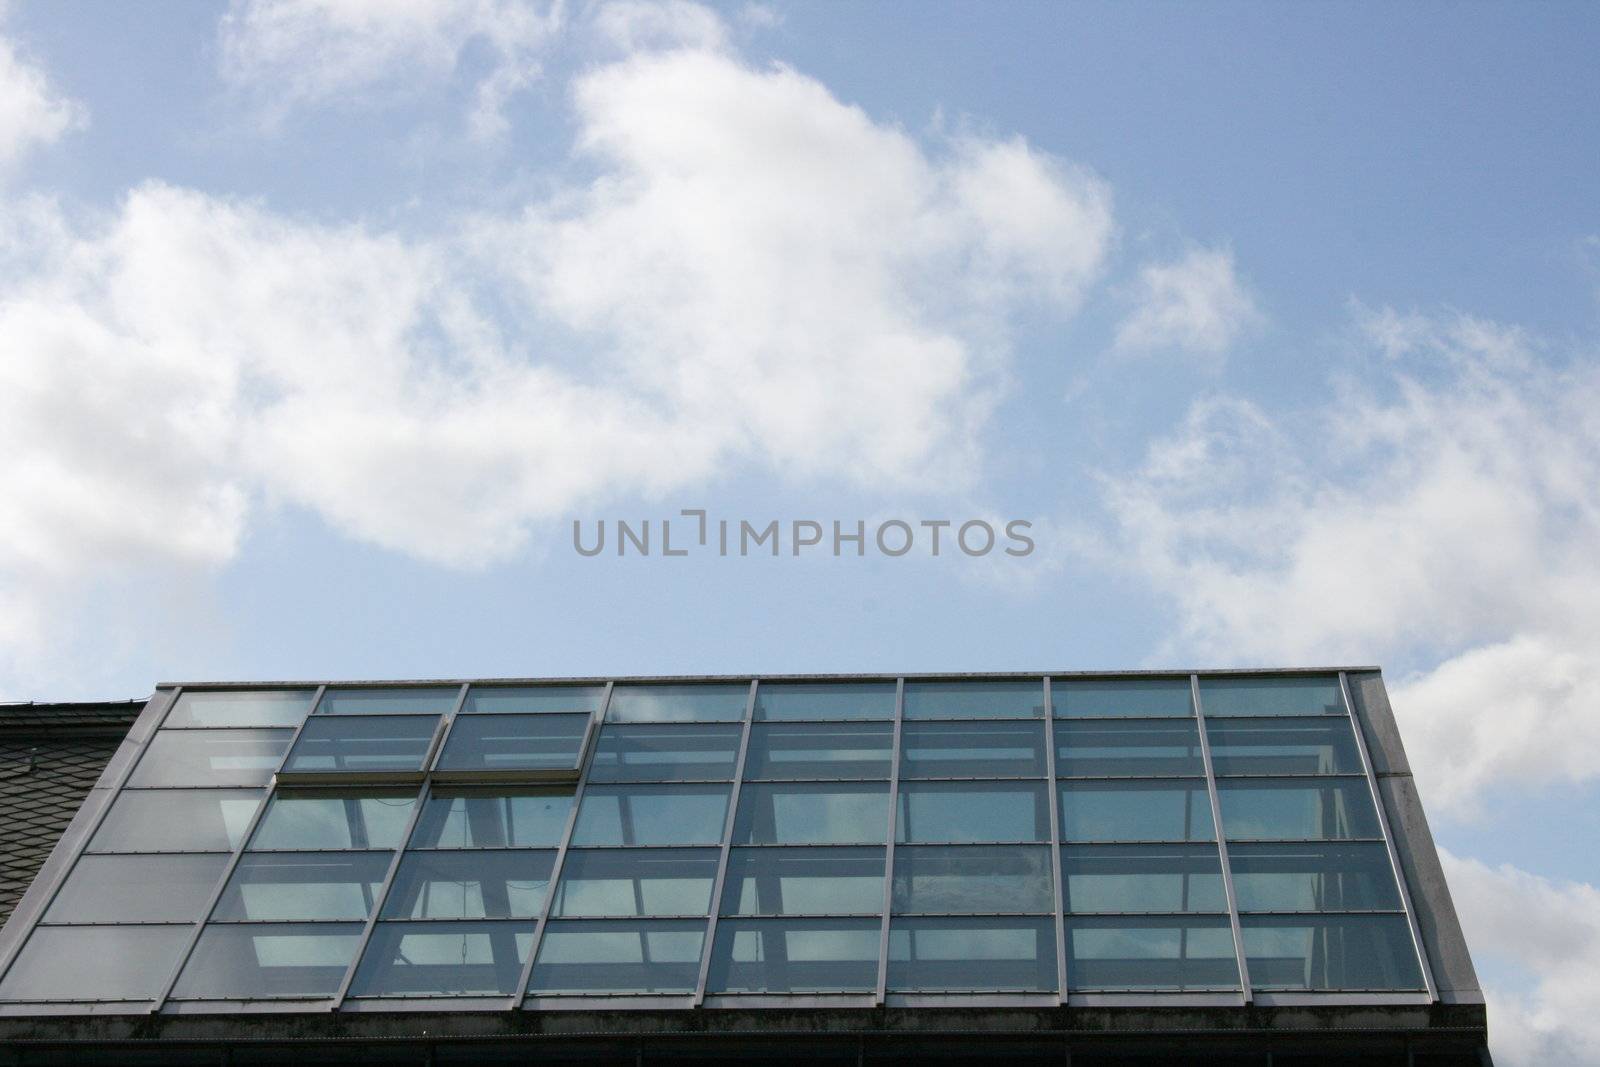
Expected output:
(32, 113)
(1193, 304)
(1550, 930)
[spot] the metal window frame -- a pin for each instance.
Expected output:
(1245, 992)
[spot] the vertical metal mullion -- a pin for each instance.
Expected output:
(1388, 838)
(520, 994)
(727, 845)
(1222, 839)
(437, 746)
(888, 846)
(233, 861)
(1055, 843)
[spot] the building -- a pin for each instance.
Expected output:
(856, 869)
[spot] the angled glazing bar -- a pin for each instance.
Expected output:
(1388, 839)
(1222, 842)
(888, 846)
(727, 842)
(1055, 844)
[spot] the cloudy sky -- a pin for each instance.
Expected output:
(321, 322)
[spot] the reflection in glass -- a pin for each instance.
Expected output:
(803, 881)
(493, 819)
(210, 757)
(1330, 952)
(235, 962)
(1313, 877)
(293, 886)
(94, 963)
(1283, 746)
(1151, 952)
(514, 742)
(1177, 810)
(453, 959)
(538, 699)
(109, 889)
(1134, 697)
(618, 956)
(1133, 747)
(363, 744)
(193, 820)
(653, 815)
(975, 700)
(310, 821)
(972, 878)
(794, 956)
(1286, 695)
(260, 707)
(508, 884)
(825, 700)
(939, 812)
(972, 749)
(649, 752)
(1142, 878)
(816, 813)
(1263, 809)
(989, 954)
(437, 700)
(678, 703)
(636, 882)
(819, 750)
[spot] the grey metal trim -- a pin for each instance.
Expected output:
(727, 845)
(1388, 839)
(1055, 844)
(1222, 842)
(888, 844)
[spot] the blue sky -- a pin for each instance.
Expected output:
(321, 322)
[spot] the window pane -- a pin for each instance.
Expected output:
(619, 956)
(94, 963)
(1142, 878)
(971, 749)
(972, 811)
(652, 753)
(109, 889)
(192, 820)
(1264, 809)
(794, 956)
(1313, 877)
(819, 813)
(514, 742)
(540, 699)
(972, 878)
(1151, 953)
(294, 886)
(662, 882)
(1271, 696)
(1136, 811)
(819, 750)
(678, 703)
(435, 701)
(277, 960)
(210, 757)
(656, 815)
(975, 700)
(1283, 746)
(803, 881)
(282, 707)
(1330, 952)
(988, 954)
(474, 819)
(470, 885)
(1134, 747)
(459, 959)
(365, 743)
(307, 822)
(1136, 697)
(825, 700)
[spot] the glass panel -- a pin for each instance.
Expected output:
(1178, 810)
(310, 821)
(282, 707)
(1179, 952)
(1142, 878)
(277, 960)
(653, 815)
(975, 700)
(1135, 697)
(825, 700)
(819, 750)
(652, 753)
(794, 956)
(1271, 696)
(613, 956)
(210, 757)
(820, 813)
(94, 963)
(988, 954)
(514, 742)
(295, 886)
(1330, 952)
(803, 881)
(1134, 747)
(459, 959)
(470, 885)
(678, 703)
(1327, 810)
(972, 811)
(434, 701)
(363, 743)
(1283, 746)
(110, 889)
(1313, 877)
(636, 882)
(971, 749)
(972, 878)
(476, 819)
(192, 820)
(539, 699)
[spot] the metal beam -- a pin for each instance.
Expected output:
(888, 845)
(1222, 839)
(1055, 844)
(727, 844)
